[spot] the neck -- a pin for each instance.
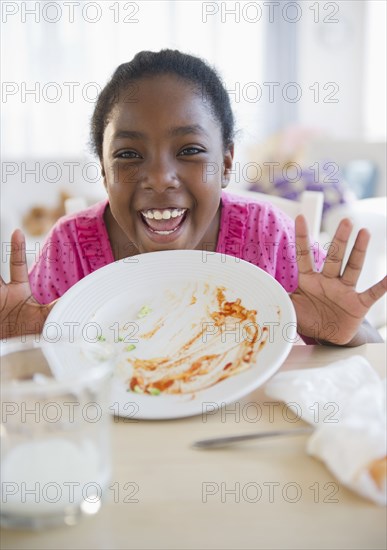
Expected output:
(210, 239)
(119, 242)
(123, 248)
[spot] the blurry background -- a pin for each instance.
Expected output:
(307, 81)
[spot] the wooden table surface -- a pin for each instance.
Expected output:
(269, 494)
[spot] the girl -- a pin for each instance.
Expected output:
(163, 131)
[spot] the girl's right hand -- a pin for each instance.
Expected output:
(20, 313)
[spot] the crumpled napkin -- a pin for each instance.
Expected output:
(346, 402)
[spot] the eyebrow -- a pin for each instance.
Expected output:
(184, 130)
(131, 134)
(173, 132)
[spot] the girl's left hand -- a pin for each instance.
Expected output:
(327, 305)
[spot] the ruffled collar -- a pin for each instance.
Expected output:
(233, 220)
(93, 237)
(96, 248)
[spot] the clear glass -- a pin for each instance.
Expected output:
(55, 432)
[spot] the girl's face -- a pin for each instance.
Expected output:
(164, 167)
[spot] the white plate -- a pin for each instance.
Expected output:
(107, 304)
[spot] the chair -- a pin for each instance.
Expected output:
(371, 214)
(310, 205)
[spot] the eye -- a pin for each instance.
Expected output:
(128, 155)
(191, 151)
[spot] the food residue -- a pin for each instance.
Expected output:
(223, 340)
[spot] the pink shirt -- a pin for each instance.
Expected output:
(79, 244)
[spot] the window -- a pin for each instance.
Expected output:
(375, 72)
(56, 59)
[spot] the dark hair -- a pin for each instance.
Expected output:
(166, 61)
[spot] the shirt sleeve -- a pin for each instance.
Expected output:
(274, 232)
(77, 245)
(58, 266)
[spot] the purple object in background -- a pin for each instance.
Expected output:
(330, 182)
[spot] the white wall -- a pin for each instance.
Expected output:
(333, 52)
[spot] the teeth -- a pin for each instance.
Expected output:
(165, 214)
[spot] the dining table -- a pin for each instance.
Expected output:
(164, 493)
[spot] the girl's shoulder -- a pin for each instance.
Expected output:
(90, 219)
(246, 222)
(77, 245)
(247, 208)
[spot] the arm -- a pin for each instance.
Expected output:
(20, 313)
(329, 310)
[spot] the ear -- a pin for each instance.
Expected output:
(227, 165)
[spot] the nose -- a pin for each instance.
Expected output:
(159, 175)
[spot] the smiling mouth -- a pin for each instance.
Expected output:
(163, 221)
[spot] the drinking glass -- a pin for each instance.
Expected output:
(55, 431)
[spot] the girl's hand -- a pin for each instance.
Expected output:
(327, 305)
(20, 313)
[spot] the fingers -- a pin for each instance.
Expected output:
(370, 296)
(18, 263)
(334, 259)
(304, 256)
(356, 259)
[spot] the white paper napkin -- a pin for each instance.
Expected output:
(346, 402)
